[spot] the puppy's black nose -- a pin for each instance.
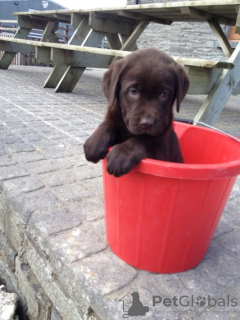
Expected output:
(146, 124)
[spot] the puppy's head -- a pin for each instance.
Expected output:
(145, 85)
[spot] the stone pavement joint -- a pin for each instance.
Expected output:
(54, 252)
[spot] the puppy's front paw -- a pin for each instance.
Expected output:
(95, 150)
(121, 161)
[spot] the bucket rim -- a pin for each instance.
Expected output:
(174, 170)
(188, 171)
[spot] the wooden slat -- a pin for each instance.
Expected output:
(62, 17)
(145, 7)
(205, 15)
(209, 64)
(113, 17)
(196, 12)
(53, 17)
(224, 10)
(202, 79)
(108, 25)
(15, 47)
(143, 17)
(26, 22)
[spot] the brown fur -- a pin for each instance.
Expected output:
(141, 90)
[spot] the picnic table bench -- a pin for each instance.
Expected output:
(122, 26)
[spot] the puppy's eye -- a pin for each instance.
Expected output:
(164, 94)
(133, 91)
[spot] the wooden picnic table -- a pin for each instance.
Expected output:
(122, 26)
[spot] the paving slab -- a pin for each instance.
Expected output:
(52, 214)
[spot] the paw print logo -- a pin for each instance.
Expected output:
(201, 301)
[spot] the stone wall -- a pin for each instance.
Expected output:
(194, 40)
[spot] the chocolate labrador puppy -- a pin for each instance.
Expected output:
(141, 90)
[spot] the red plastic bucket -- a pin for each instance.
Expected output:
(161, 216)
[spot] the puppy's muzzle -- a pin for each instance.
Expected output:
(146, 124)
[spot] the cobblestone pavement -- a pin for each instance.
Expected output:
(52, 211)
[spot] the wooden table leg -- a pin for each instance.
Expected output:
(49, 32)
(8, 57)
(62, 73)
(55, 76)
(73, 74)
(220, 92)
(130, 43)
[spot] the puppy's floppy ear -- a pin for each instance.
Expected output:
(182, 85)
(110, 83)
